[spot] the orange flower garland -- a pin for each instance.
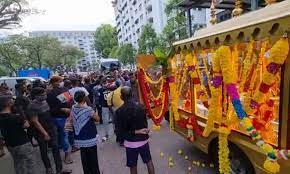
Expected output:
(163, 96)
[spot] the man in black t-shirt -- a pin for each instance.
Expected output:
(12, 128)
(45, 130)
(133, 126)
(60, 110)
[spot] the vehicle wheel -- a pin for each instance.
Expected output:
(239, 162)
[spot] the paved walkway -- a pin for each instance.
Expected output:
(112, 158)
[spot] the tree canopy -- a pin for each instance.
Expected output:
(148, 40)
(127, 54)
(105, 39)
(175, 28)
(20, 52)
(12, 12)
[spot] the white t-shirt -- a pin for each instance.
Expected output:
(72, 91)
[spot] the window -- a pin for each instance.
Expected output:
(199, 9)
(141, 17)
(140, 7)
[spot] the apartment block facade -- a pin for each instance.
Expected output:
(131, 15)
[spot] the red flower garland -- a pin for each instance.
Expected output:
(144, 87)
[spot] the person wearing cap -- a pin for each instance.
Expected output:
(59, 106)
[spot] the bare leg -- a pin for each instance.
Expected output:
(150, 167)
(133, 170)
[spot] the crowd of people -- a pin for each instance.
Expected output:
(64, 114)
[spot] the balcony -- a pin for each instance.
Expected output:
(136, 21)
(127, 21)
(134, 2)
(149, 8)
(150, 20)
(117, 17)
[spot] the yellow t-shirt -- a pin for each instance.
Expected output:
(114, 99)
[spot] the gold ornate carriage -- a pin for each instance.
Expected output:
(252, 43)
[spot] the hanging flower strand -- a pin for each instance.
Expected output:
(282, 47)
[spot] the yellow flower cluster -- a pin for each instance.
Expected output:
(149, 80)
(215, 111)
(226, 64)
(247, 64)
(174, 100)
(197, 74)
(215, 108)
(278, 55)
(235, 60)
(189, 60)
(272, 166)
(224, 162)
(257, 76)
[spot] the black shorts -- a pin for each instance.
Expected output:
(133, 153)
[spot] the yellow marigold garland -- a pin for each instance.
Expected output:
(246, 64)
(278, 54)
(215, 107)
(282, 47)
(199, 87)
(224, 162)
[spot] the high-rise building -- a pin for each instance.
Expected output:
(131, 15)
(84, 40)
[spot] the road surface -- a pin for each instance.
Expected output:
(112, 157)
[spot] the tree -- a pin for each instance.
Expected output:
(63, 57)
(105, 39)
(20, 52)
(10, 57)
(175, 28)
(114, 52)
(12, 11)
(38, 49)
(127, 53)
(148, 40)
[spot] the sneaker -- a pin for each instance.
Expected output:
(67, 159)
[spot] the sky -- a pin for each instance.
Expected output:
(69, 15)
